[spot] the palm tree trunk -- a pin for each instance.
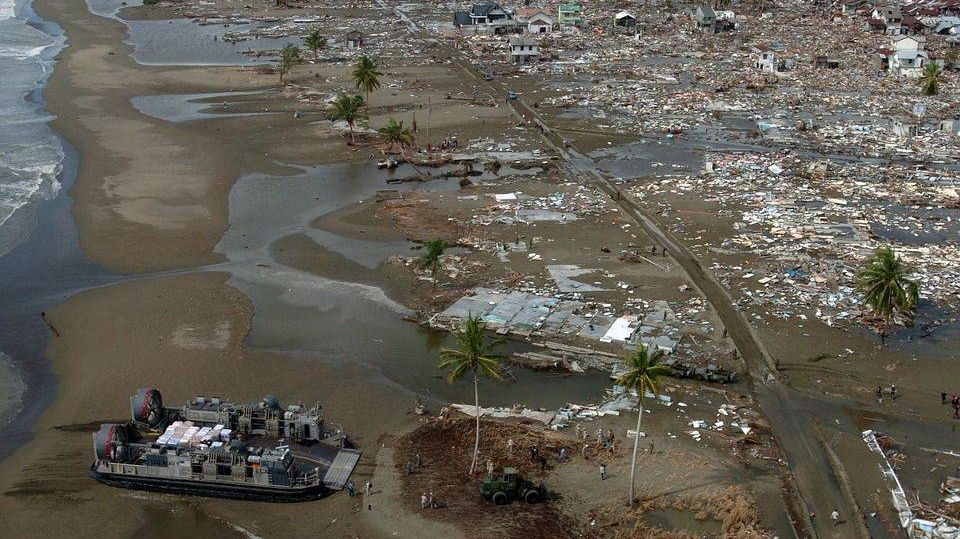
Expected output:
(433, 271)
(636, 444)
(353, 141)
(476, 441)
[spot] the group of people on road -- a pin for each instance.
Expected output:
(893, 392)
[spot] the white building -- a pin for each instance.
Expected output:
(537, 21)
(522, 49)
(763, 58)
(908, 57)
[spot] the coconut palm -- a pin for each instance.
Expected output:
(395, 133)
(885, 286)
(431, 258)
(315, 42)
(289, 57)
(643, 371)
(366, 76)
(474, 355)
(348, 108)
(931, 78)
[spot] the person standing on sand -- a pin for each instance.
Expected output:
(835, 517)
(893, 391)
(350, 489)
(423, 501)
(510, 448)
(369, 488)
(603, 471)
(583, 451)
(563, 454)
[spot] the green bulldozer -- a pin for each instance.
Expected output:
(508, 486)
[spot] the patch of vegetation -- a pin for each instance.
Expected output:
(819, 357)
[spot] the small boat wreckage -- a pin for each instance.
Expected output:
(212, 447)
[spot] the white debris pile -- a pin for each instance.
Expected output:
(811, 225)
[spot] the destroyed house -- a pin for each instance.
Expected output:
(876, 25)
(851, 7)
(570, 14)
(911, 26)
(353, 39)
(824, 61)
(624, 18)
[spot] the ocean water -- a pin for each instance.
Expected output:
(30, 152)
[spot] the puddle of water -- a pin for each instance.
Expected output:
(178, 108)
(640, 159)
(349, 323)
(674, 520)
(184, 42)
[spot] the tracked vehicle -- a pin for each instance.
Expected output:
(212, 447)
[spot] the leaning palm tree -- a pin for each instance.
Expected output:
(314, 41)
(289, 57)
(366, 76)
(643, 372)
(348, 108)
(431, 258)
(885, 286)
(473, 354)
(930, 80)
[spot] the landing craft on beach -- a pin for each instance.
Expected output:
(212, 447)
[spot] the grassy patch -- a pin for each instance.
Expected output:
(819, 357)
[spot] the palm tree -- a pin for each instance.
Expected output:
(492, 166)
(431, 258)
(930, 80)
(348, 108)
(885, 286)
(643, 372)
(315, 42)
(473, 354)
(395, 133)
(289, 57)
(366, 76)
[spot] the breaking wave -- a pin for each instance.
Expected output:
(31, 154)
